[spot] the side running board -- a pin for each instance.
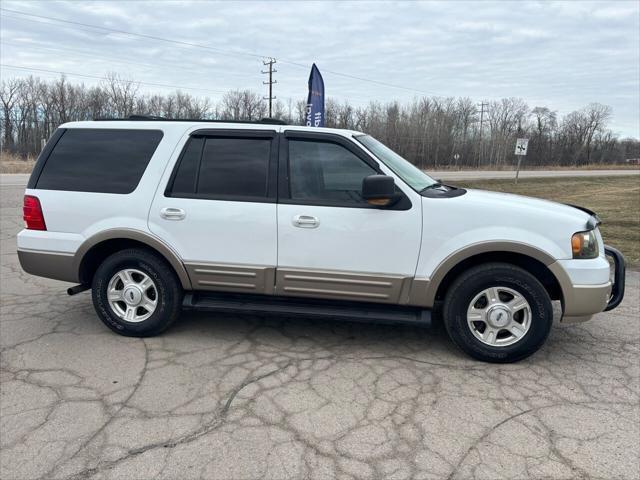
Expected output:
(289, 306)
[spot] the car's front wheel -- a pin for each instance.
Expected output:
(136, 293)
(498, 312)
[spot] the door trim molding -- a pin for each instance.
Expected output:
(232, 277)
(331, 284)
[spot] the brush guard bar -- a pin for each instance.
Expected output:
(617, 289)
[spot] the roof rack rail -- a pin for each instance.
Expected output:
(154, 118)
(145, 117)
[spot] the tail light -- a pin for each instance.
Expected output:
(32, 213)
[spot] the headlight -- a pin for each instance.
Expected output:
(584, 245)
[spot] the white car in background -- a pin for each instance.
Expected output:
(156, 216)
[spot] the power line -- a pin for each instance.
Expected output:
(271, 81)
(40, 47)
(130, 61)
(71, 74)
(164, 85)
(362, 79)
(218, 50)
(77, 52)
(125, 32)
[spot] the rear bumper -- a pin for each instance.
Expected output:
(56, 265)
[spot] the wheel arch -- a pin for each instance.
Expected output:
(532, 259)
(96, 248)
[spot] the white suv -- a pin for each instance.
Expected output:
(155, 216)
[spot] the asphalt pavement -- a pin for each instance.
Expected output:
(245, 397)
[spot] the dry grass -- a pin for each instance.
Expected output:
(14, 164)
(615, 199)
(509, 167)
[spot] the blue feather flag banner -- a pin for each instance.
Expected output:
(315, 101)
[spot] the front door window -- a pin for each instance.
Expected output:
(326, 173)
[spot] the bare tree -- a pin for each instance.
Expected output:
(597, 116)
(243, 105)
(121, 94)
(506, 118)
(543, 131)
(8, 96)
(428, 131)
(579, 129)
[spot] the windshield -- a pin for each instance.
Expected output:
(412, 175)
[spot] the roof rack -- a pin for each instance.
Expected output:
(153, 118)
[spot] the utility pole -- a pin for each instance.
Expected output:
(481, 152)
(271, 81)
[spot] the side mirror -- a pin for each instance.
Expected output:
(379, 190)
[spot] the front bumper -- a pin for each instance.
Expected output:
(580, 302)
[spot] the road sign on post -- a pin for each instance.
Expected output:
(521, 150)
(521, 146)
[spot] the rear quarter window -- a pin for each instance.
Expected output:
(99, 160)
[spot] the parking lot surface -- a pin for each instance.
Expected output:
(245, 397)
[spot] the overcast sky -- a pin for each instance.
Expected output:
(563, 55)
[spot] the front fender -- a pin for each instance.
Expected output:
(432, 269)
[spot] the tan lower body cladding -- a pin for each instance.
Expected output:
(342, 286)
(300, 283)
(232, 278)
(579, 301)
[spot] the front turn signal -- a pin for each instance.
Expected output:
(584, 245)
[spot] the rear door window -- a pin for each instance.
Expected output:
(223, 168)
(99, 160)
(234, 167)
(186, 176)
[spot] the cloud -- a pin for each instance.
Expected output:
(616, 11)
(565, 54)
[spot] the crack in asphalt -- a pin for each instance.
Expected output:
(246, 397)
(207, 428)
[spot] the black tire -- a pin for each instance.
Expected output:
(169, 292)
(469, 284)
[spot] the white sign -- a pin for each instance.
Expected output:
(521, 146)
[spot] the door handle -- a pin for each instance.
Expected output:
(170, 213)
(305, 221)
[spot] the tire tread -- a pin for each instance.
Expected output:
(165, 278)
(542, 312)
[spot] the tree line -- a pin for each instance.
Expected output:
(431, 132)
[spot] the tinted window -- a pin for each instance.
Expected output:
(234, 167)
(184, 182)
(323, 171)
(416, 178)
(104, 161)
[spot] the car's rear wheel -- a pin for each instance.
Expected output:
(136, 293)
(498, 312)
